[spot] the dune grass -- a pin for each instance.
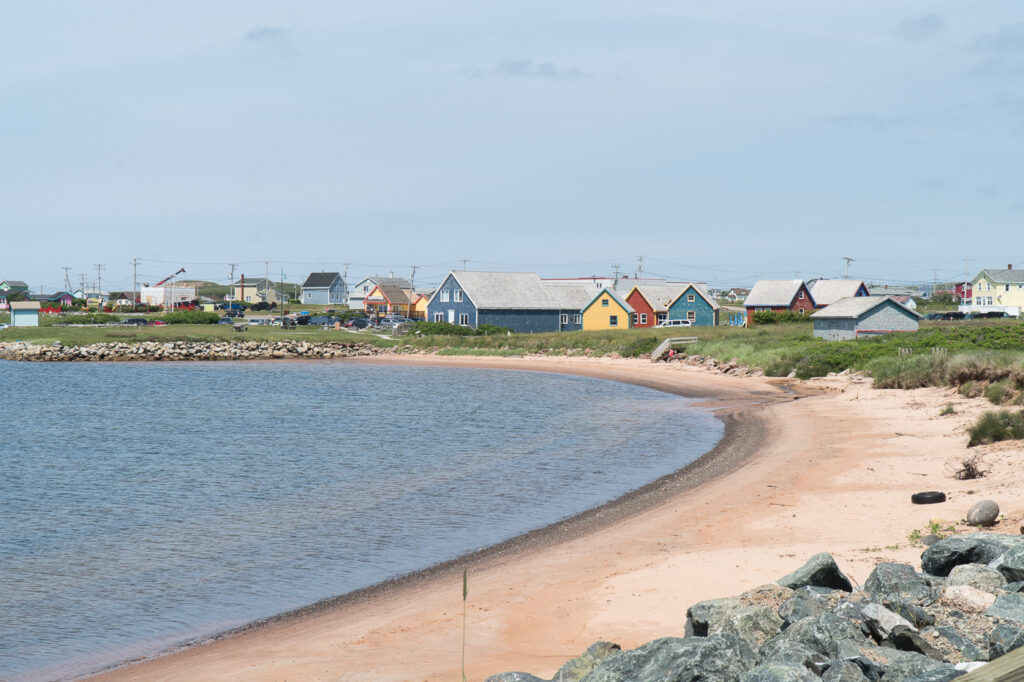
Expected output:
(992, 427)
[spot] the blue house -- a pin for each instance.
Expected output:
(519, 301)
(323, 288)
(694, 304)
(863, 316)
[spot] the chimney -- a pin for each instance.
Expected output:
(1009, 266)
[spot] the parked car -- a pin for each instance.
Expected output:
(991, 315)
(157, 323)
(263, 305)
(225, 320)
(4, 325)
(358, 323)
(235, 313)
(135, 321)
(676, 323)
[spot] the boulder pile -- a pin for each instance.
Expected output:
(186, 350)
(965, 608)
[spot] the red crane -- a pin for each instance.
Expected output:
(167, 278)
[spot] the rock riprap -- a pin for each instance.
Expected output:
(186, 350)
(903, 626)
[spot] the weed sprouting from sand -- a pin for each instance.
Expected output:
(946, 410)
(992, 427)
(465, 593)
(971, 467)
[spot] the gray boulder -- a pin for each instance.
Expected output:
(1016, 586)
(949, 639)
(716, 657)
(918, 616)
(881, 620)
(700, 615)
(983, 513)
(974, 548)
(935, 675)
(805, 603)
(1008, 607)
(514, 677)
(1011, 563)
(844, 671)
(792, 652)
(779, 672)
(978, 576)
(908, 665)
(898, 582)
(753, 616)
(582, 665)
(908, 639)
(1003, 639)
(820, 571)
(828, 635)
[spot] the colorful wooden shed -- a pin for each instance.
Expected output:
(607, 311)
(694, 304)
(24, 313)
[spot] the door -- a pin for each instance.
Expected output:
(451, 316)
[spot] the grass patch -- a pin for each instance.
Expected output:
(947, 410)
(993, 427)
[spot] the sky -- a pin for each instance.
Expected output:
(720, 142)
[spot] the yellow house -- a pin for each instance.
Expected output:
(419, 307)
(256, 290)
(995, 290)
(607, 311)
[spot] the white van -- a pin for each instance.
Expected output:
(676, 323)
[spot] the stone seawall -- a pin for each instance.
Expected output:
(186, 350)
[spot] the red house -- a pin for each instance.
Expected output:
(778, 295)
(650, 303)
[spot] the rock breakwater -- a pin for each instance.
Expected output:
(186, 350)
(964, 609)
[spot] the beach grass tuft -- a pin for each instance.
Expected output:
(993, 427)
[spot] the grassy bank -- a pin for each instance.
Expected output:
(83, 336)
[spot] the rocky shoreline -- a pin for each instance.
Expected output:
(964, 609)
(187, 350)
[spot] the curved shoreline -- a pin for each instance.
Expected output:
(739, 442)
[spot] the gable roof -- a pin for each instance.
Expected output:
(24, 305)
(567, 295)
(625, 306)
(1002, 276)
(854, 307)
(827, 291)
(659, 297)
(320, 280)
(395, 295)
(700, 292)
(14, 283)
(506, 290)
(774, 292)
(389, 281)
(254, 282)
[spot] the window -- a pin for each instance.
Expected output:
(578, 319)
(662, 317)
(464, 319)
(458, 295)
(604, 302)
(613, 320)
(690, 298)
(801, 296)
(445, 294)
(802, 311)
(643, 318)
(1007, 287)
(564, 319)
(691, 315)
(366, 288)
(438, 317)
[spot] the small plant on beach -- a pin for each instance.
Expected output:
(946, 410)
(915, 536)
(993, 427)
(970, 468)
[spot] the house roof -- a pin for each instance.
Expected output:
(700, 292)
(774, 292)
(24, 305)
(1002, 276)
(567, 295)
(738, 290)
(15, 283)
(513, 291)
(625, 306)
(388, 281)
(886, 290)
(828, 291)
(659, 297)
(854, 307)
(396, 295)
(258, 282)
(320, 280)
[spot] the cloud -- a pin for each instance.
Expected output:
(1008, 40)
(278, 37)
(866, 121)
(920, 29)
(527, 68)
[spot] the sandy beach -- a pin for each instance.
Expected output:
(804, 467)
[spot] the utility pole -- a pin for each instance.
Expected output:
(231, 283)
(81, 280)
(99, 282)
(615, 269)
(67, 279)
(266, 279)
(464, 261)
(135, 282)
(412, 277)
(639, 266)
(846, 271)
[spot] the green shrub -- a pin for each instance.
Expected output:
(776, 317)
(489, 329)
(640, 346)
(947, 409)
(992, 427)
(998, 392)
(442, 329)
(190, 317)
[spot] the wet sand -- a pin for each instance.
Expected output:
(826, 465)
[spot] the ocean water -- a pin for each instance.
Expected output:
(146, 504)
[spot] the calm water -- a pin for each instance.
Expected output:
(142, 505)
